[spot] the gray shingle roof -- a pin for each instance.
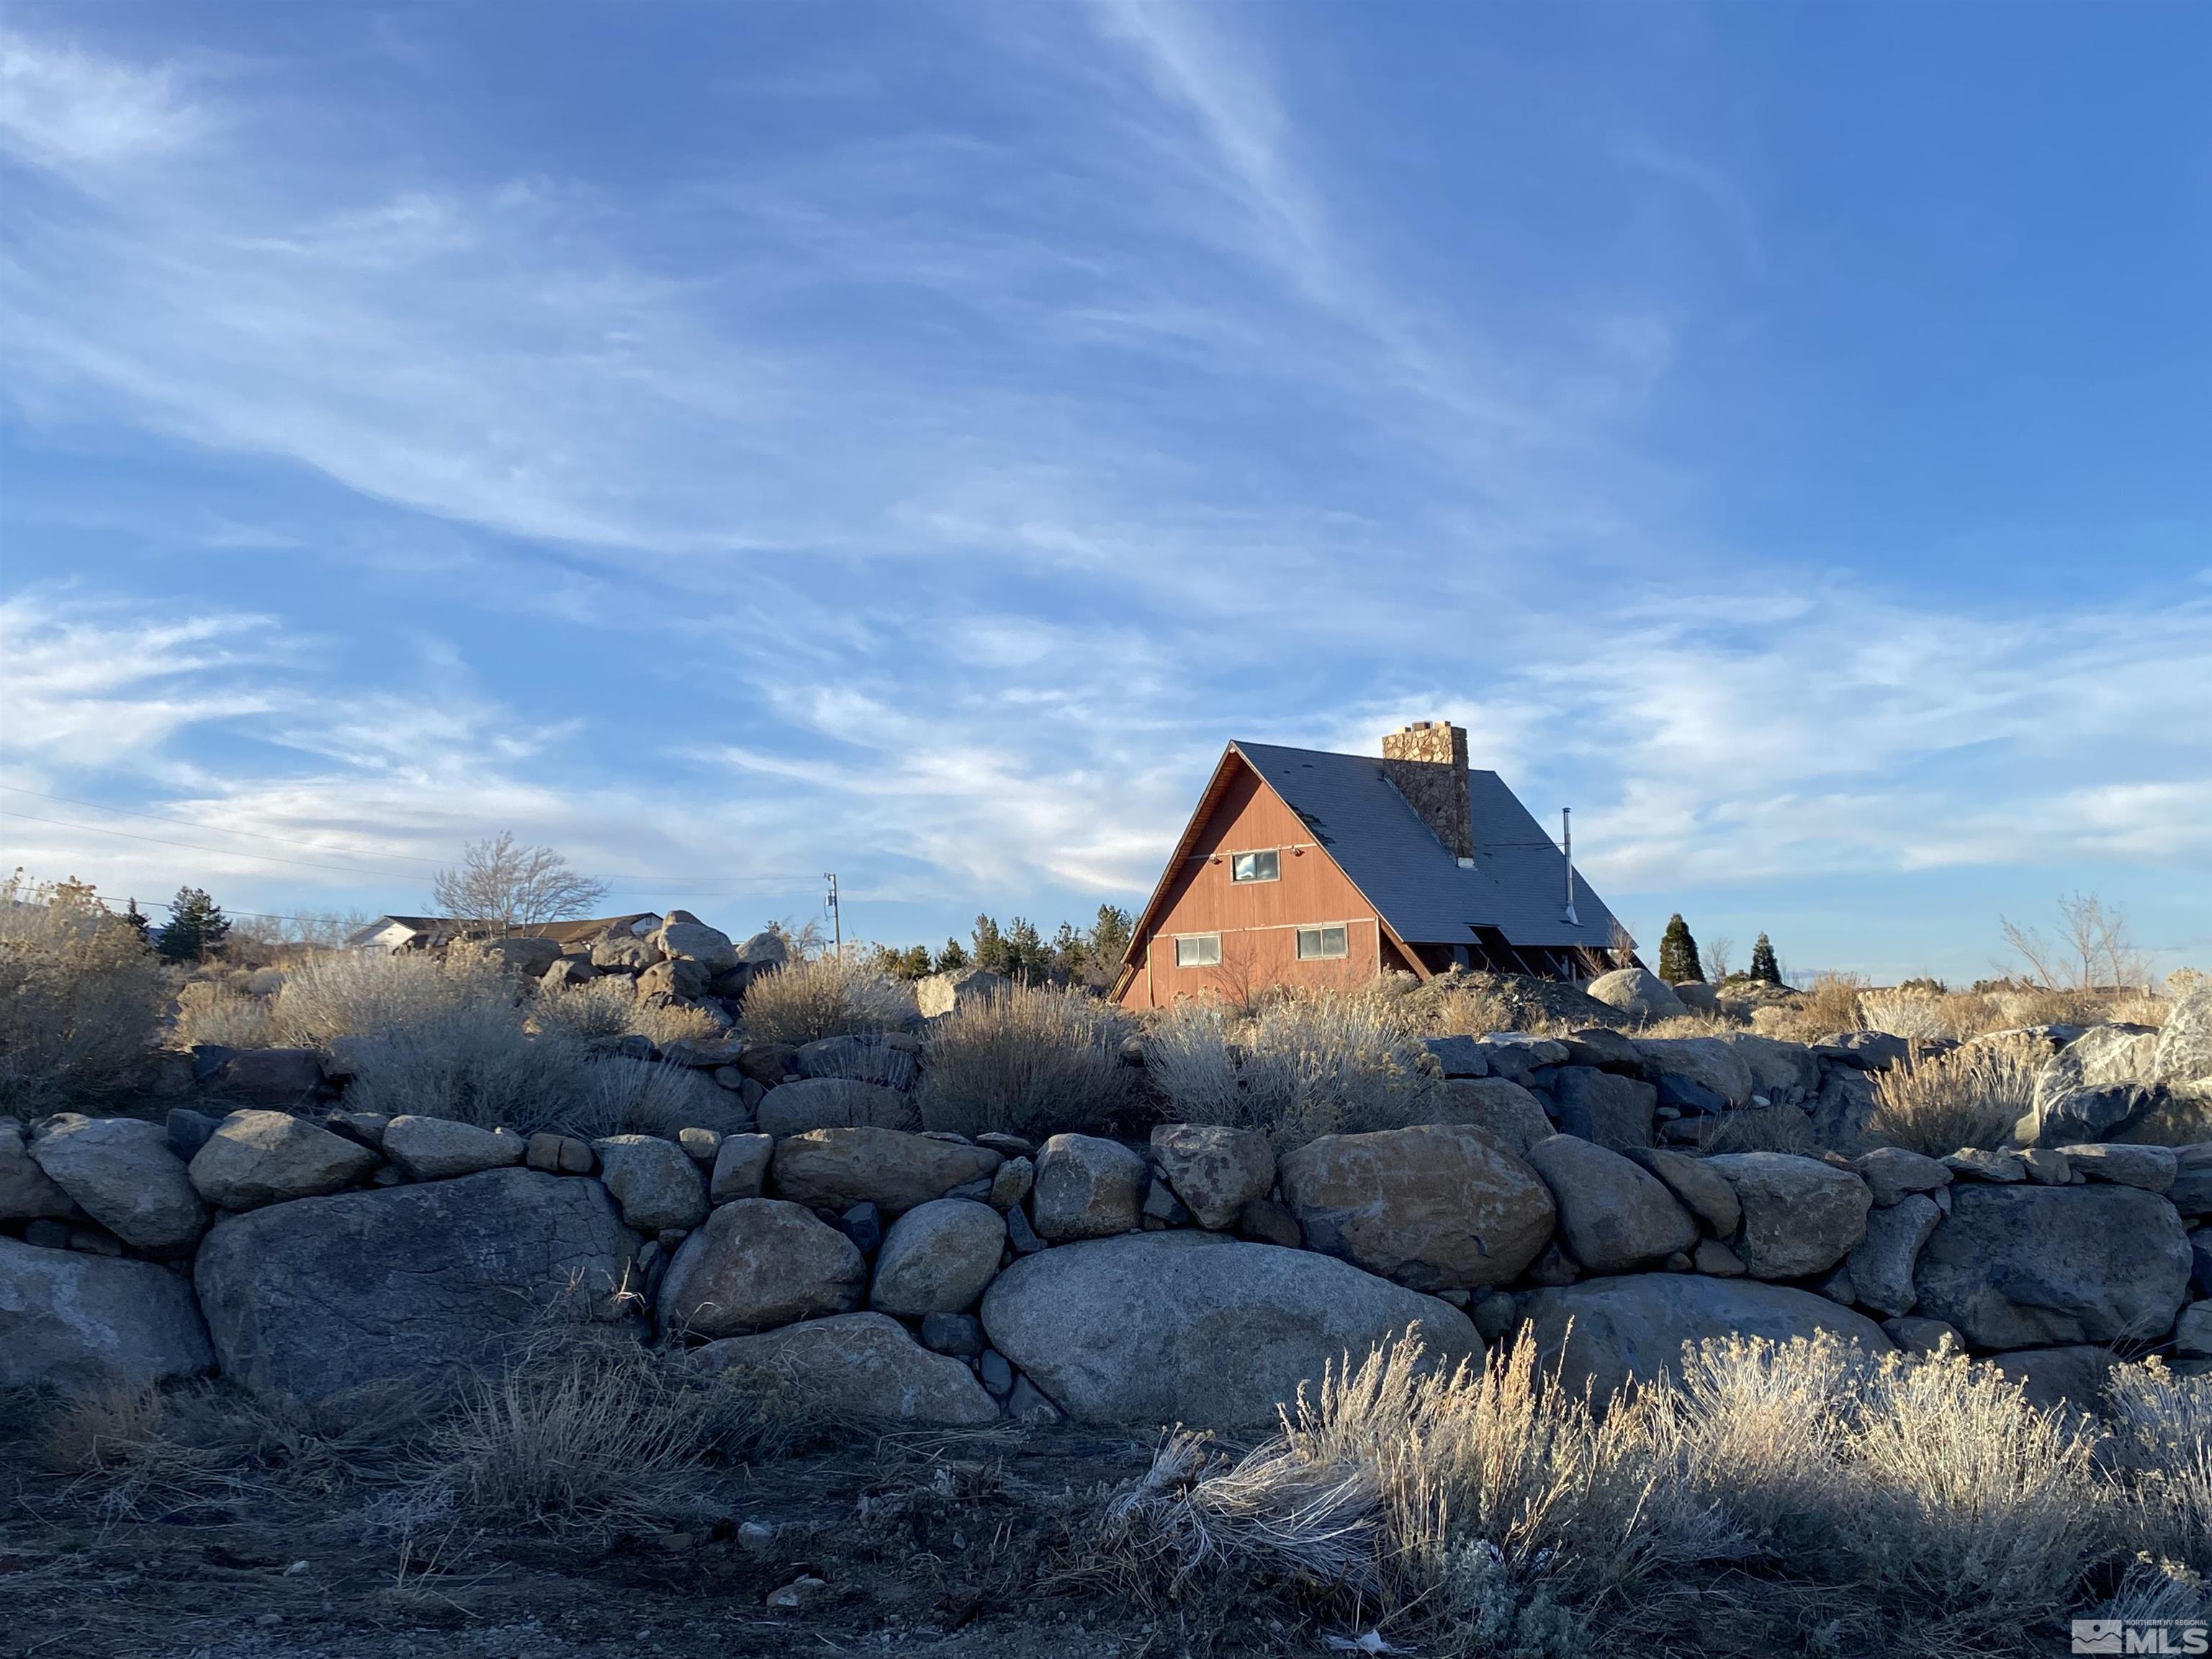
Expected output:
(1390, 853)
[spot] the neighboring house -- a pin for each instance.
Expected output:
(1302, 867)
(422, 932)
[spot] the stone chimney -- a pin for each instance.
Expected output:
(1427, 761)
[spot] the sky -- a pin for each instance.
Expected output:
(734, 443)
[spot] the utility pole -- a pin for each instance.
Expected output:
(837, 916)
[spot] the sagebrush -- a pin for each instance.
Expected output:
(829, 996)
(81, 999)
(1032, 1060)
(1975, 1095)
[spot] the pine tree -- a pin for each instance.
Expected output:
(953, 958)
(991, 953)
(197, 926)
(1678, 953)
(139, 923)
(1109, 942)
(1763, 964)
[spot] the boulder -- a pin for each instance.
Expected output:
(2033, 1267)
(620, 950)
(1882, 1263)
(271, 1077)
(2200, 1260)
(1604, 1332)
(1707, 1195)
(1503, 1109)
(2191, 1193)
(654, 1181)
(828, 1102)
(1711, 1256)
(1516, 1056)
(1707, 1063)
(1195, 1327)
(2192, 1332)
(1214, 1170)
(2183, 1055)
(2151, 1168)
(1844, 1109)
(938, 1257)
(858, 1060)
(1915, 1335)
(1971, 1163)
(766, 949)
(2094, 1086)
(569, 970)
(694, 941)
(1456, 1056)
(523, 955)
(957, 992)
(1614, 1216)
(1801, 1216)
(1602, 1107)
(2071, 1377)
(1435, 1207)
(439, 1149)
(1011, 1183)
(860, 1365)
(1086, 1187)
(254, 1159)
(680, 981)
(698, 1054)
(836, 1168)
(410, 1282)
(1781, 1070)
(1892, 1174)
(740, 1168)
(759, 1262)
(26, 1192)
(124, 1175)
(1869, 1051)
(1604, 1049)
(1634, 991)
(88, 1323)
(1697, 995)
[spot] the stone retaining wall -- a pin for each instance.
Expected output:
(925, 1277)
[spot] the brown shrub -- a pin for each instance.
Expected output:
(829, 996)
(1970, 1096)
(1033, 1062)
(81, 999)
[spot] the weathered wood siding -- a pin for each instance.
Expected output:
(1258, 921)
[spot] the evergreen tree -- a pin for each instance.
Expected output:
(1028, 958)
(1678, 953)
(1109, 941)
(139, 923)
(1071, 954)
(1763, 964)
(197, 926)
(991, 953)
(953, 958)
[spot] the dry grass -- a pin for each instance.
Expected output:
(828, 997)
(1758, 1129)
(1970, 1096)
(1830, 1003)
(79, 999)
(1035, 1061)
(1295, 1069)
(1917, 1507)
(214, 1011)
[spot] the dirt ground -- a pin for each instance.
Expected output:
(951, 1546)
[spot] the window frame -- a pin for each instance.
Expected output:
(1214, 938)
(1273, 854)
(1320, 931)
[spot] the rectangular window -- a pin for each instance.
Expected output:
(1316, 944)
(1200, 950)
(1255, 867)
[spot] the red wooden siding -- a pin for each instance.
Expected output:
(1258, 921)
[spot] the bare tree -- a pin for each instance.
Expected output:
(2092, 949)
(1718, 950)
(501, 883)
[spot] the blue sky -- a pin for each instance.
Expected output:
(731, 444)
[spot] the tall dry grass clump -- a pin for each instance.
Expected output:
(1830, 1002)
(211, 1011)
(1294, 1068)
(1970, 1096)
(81, 999)
(1032, 1061)
(830, 996)
(1916, 1506)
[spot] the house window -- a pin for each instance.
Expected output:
(1200, 950)
(1317, 944)
(1255, 867)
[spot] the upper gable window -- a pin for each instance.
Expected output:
(1255, 867)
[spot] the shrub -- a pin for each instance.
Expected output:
(827, 997)
(211, 1010)
(1970, 1096)
(1034, 1062)
(1902, 1506)
(1915, 1015)
(1678, 952)
(1298, 1068)
(79, 999)
(1757, 1129)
